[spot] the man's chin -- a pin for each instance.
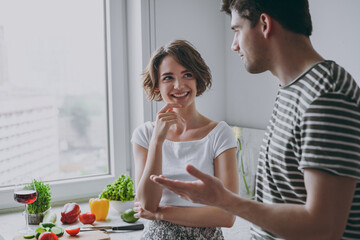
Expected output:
(253, 70)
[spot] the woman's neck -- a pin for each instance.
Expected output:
(192, 118)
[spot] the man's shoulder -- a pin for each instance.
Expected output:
(328, 77)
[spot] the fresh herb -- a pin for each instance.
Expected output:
(42, 202)
(121, 189)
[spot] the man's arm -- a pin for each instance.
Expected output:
(324, 215)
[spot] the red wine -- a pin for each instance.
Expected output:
(25, 196)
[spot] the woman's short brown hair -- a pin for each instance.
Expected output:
(187, 56)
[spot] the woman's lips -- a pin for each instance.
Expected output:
(180, 95)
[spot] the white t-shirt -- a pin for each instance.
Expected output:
(200, 153)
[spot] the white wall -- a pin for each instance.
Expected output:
(336, 33)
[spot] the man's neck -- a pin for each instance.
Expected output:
(295, 54)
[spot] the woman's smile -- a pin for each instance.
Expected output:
(180, 94)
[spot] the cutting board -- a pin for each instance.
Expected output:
(91, 235)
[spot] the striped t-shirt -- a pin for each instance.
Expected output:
(315, 123)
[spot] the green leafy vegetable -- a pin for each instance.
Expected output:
(122, 189)
(42, 202)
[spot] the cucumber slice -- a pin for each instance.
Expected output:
(59, 231)
(37, 234)
(47, 225)
(40, 230)
(30, 236)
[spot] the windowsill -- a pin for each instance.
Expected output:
(11, 222)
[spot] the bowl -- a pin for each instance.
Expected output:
(121, 206)
(36, 218)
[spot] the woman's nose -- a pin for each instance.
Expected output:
(178, 83)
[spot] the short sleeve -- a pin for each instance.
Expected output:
(142, 135)
(330, 136)
(224, 139)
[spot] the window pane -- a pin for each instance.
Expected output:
(53, 98)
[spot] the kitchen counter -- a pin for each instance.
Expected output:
(11, 222)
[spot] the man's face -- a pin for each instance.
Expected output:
(248, 42)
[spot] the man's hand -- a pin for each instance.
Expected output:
(207, 190)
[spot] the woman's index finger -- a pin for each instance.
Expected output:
(168, 106)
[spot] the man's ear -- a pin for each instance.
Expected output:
(266, 24)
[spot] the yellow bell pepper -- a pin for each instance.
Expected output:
(99, 207)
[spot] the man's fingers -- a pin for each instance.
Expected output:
(197, 173)
(175, 186)
(161, 180)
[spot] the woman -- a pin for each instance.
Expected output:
(177, 74)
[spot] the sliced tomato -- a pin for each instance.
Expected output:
(48, 236)
(72, 231)
(87, 218)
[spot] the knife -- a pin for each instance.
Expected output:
(138, 226)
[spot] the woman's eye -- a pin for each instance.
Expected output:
(188, 75)
(168, 78)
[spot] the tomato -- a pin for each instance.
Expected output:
(48, 236)
(72, 231)
(87, 218)
(70, 213)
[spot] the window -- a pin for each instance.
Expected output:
(57, 95)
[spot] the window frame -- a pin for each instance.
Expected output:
(81, 189)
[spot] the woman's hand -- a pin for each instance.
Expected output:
(142, 213)
(188, 216)
(165, 118)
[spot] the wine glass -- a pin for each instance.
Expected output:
(25, 193)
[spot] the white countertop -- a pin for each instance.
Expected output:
(10, 223)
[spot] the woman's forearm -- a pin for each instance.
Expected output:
(149, 193)
(196, 216)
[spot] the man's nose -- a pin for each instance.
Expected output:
(235, 45)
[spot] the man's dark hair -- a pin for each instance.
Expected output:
(293, 15)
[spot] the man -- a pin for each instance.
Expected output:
(308, 175)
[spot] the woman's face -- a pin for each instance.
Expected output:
(176, 83)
